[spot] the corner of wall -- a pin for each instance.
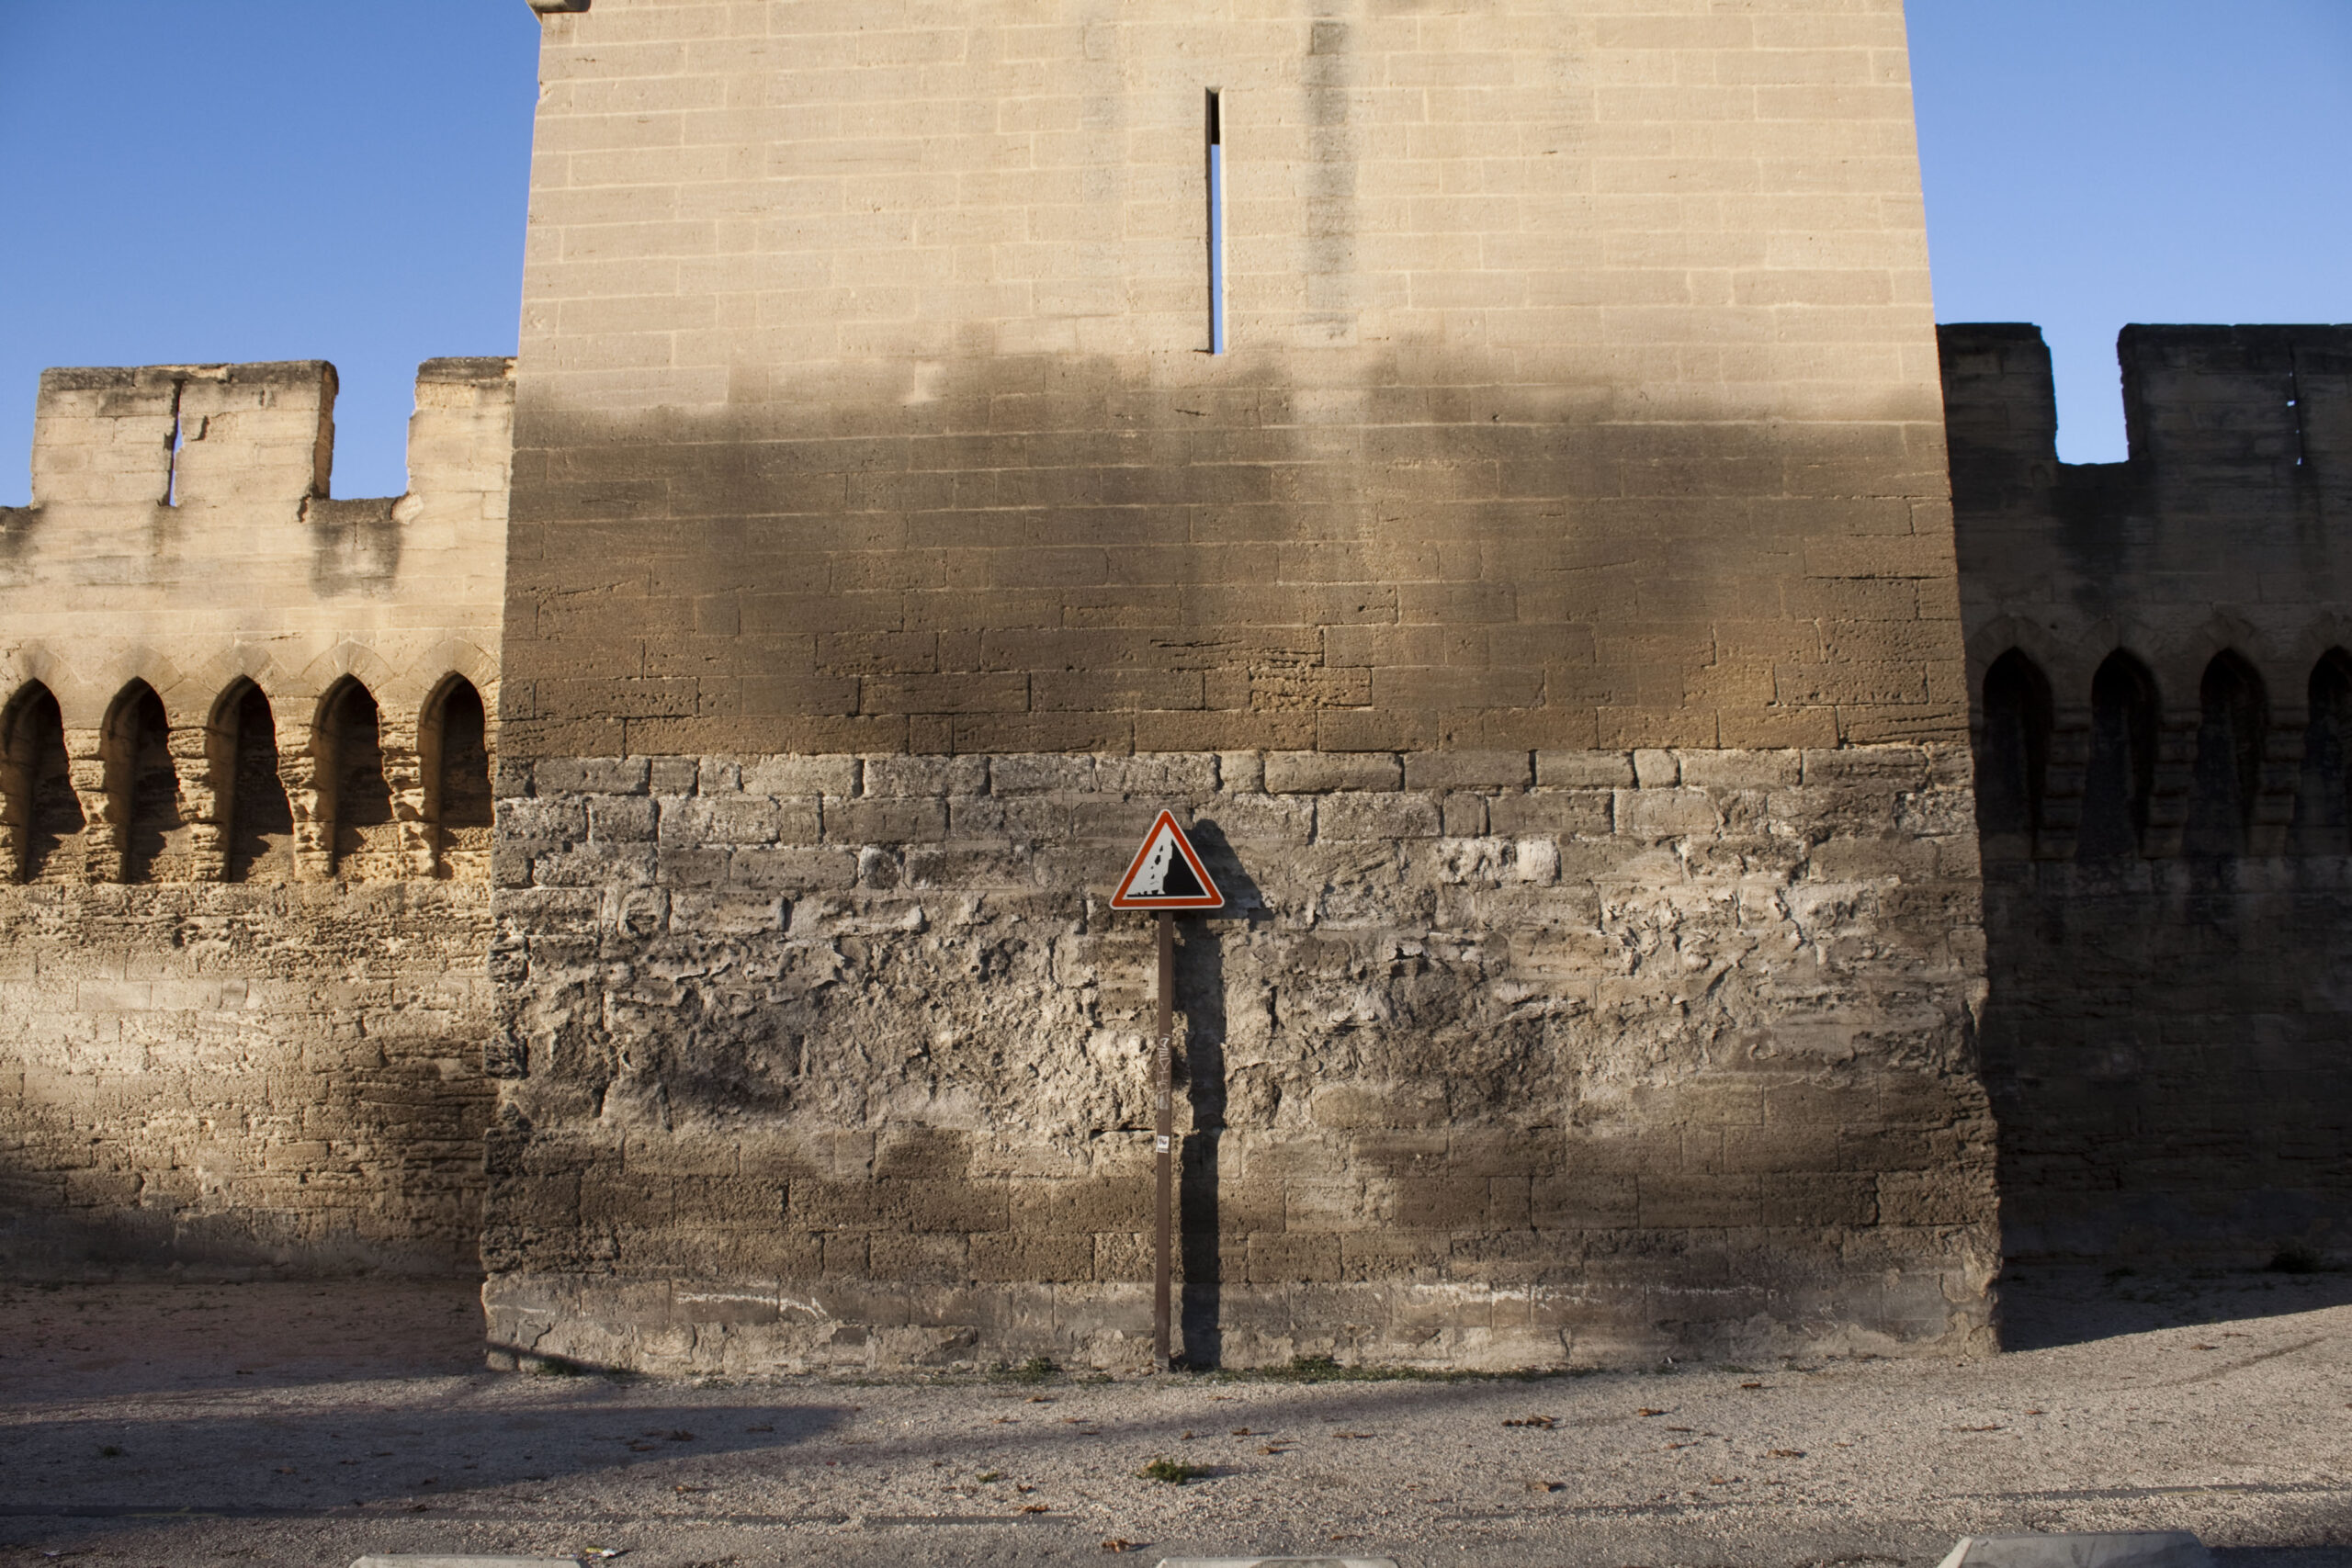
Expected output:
(2000, 412)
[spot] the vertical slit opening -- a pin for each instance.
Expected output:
(2295, 406)
(1216, 221)
(172, 449)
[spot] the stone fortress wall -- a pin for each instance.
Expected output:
(244, 748)
(1549, 601)
(1549, 618)
(2159, 647)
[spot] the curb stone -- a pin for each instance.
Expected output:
(2118, 1549)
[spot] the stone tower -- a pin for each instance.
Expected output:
(1543, 610)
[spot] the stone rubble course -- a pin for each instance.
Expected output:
(310, 1425)
(839, 1061)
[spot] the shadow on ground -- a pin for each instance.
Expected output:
(81, 1340)
(111, 1462)
(2045, 1305)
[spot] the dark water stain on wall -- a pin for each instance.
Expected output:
(1068, 555)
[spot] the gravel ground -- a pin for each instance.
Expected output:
(308, 1424)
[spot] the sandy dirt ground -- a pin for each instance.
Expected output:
(269, 1425)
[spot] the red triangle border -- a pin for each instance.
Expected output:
(1211, 898)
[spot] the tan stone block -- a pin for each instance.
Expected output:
(1316, 772)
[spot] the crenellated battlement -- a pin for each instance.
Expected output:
(184, 434)
(2209, 413)
(185, 606)
(2224, 528)
(183, 530)
(208, 435)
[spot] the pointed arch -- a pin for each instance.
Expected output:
(37, 806)
(455, 744)
(355, 797)
(2232, 732)
(143, 787)
(2013, 753)
(256, 817)
(2120, 779)
(2324, 790)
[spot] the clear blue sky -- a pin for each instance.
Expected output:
(284, 179)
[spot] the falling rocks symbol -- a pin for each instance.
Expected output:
(1167, 874)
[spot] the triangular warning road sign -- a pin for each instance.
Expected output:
(1167, 874)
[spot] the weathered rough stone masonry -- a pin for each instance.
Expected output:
(1546, 615)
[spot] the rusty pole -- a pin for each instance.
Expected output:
(1163, 1144)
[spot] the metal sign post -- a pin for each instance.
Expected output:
(1163, 1204)
(1165, 876)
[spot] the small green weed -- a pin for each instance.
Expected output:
(110, 1452)
(989, 1475)
(1170, 1471)
(2295, 1261)
(1036, 1369)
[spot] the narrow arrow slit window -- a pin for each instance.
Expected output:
(1217, 223)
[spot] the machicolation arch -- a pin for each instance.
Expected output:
(358, 836)
(453, 743)
(2119, 781)
(2234, 719)
(145, 841)
(37, 800)
(2013, 754)
(253, 811)
(140, 800)
(2324, 787)
(2056, 782)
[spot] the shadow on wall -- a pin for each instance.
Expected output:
(2168, 920)
(78, 1204)
(1201, 997)
(1117, 564)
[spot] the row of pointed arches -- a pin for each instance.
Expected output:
(2119, 781)
(250, 794)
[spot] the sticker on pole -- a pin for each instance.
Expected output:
(1167, 874)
